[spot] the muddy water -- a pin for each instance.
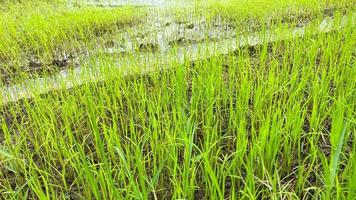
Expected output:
(152, 61)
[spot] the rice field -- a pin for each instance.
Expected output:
(234, 99)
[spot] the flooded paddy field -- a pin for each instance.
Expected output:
(39, 50)
(178, 100)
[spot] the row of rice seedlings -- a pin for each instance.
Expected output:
(275, 121)
(32, 33)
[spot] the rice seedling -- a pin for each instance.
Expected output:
(274, 120)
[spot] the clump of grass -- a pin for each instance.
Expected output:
(273, 121)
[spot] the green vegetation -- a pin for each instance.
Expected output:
(271, 121)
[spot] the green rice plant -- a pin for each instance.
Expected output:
(271, 121)
(275, 120)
